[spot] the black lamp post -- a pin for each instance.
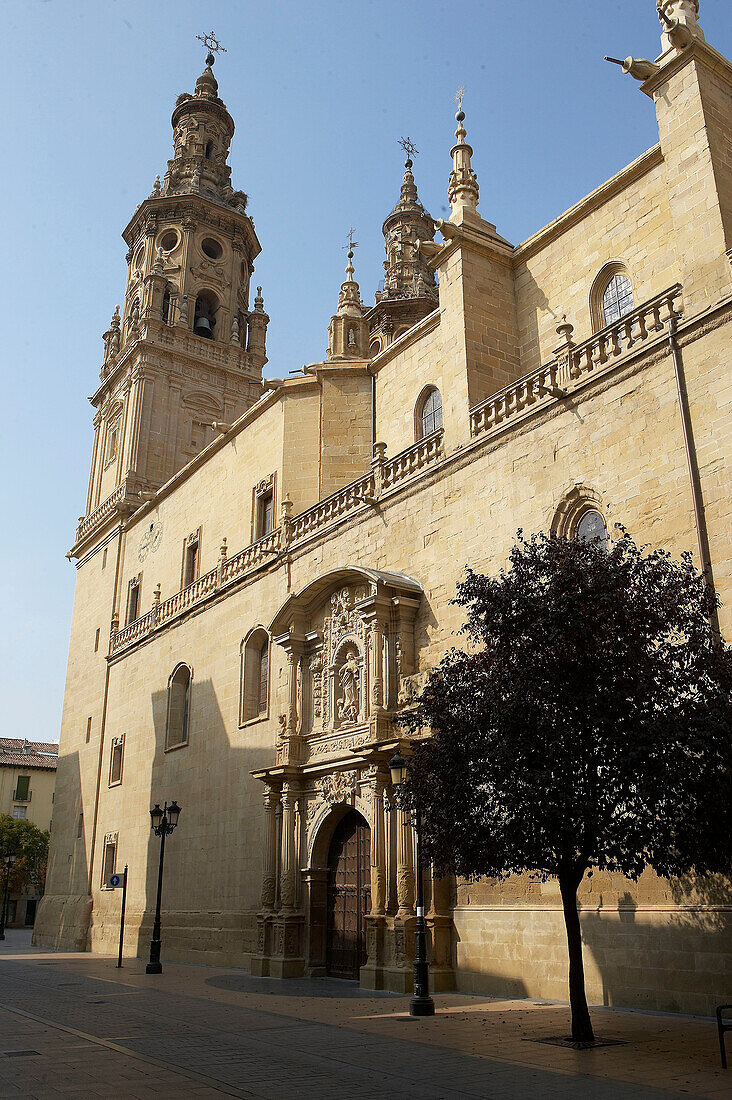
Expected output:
(421, 1003)
(8, 860)
(163, 822)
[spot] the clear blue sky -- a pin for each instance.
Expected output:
(320, 93)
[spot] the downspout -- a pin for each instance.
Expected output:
(693, 466)
(103, 723)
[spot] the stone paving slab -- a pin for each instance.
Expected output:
(222, 1030)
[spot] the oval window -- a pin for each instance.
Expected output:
(169, 240)
(211, 248)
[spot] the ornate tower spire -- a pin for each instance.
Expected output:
(202, 133)
(409, 290)
(186, 350)
(462, 191)
(348, 333)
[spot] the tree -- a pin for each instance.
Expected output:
(30, 846)
(586, 726)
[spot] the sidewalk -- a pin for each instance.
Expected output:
(205, 1031)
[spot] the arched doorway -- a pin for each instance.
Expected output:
(349, 896)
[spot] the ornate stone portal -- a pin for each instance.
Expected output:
(349, 639)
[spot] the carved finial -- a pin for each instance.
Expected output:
(224, 549)
(156, 188)
(115, 318)
(259, 301)
(235, 337)
(462, 189)
(565, 330)
(157, 267)
(183, 311)
(156, 595)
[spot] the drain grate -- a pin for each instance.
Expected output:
(566, 1041)
(21, 1053)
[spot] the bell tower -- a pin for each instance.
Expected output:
(186, 351)
(409, 290)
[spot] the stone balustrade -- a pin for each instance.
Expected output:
(415, 458)
(338, 504)
(99, 516)
(575, 362)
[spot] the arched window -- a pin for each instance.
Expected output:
(204, 316)
(166, 306)
(590, 526)
(429, 413)
(179, 706)
(611, 296)
(254, 690)
(617, 299)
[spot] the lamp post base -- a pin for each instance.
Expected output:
(154, 968)
(421, 1006)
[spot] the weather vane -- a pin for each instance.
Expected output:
(212, 44)
(351, 243)
(459, 98)
(409, 147)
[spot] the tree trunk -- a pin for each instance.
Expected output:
(581, 1024)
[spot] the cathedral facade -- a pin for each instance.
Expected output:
(265, 568)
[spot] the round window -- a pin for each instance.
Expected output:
(169, 240)
(211, 248)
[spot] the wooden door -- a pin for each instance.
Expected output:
(349, 896)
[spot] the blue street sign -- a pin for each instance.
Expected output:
(115, 881)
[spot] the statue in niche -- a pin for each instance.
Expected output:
(349, 676)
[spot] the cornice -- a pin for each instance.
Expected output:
(197, 206)
(637, 168)
(174, 356)
(698, 50)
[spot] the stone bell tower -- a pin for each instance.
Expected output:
(186, 352)
(409, 292)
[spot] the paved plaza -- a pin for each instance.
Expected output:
(75, 1025)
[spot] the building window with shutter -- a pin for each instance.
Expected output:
(109, 860)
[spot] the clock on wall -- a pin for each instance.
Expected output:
(150, 540)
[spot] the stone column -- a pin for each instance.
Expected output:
(269, 870)
(405, 864)
(377, 667)
(378, 849)
(287, 886)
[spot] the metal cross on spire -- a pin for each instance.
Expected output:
(212, 44)
(351, 244)
(409, 147)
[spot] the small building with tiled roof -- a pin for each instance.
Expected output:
(27, 782)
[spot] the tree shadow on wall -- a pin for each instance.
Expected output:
(212, 872)
(670, 961)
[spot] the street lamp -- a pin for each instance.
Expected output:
(421, 1003)
(162, 822)
(8, 860)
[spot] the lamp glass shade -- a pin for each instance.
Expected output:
(173, 813)
(398, 768)
(9, 859)
(156, 815)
